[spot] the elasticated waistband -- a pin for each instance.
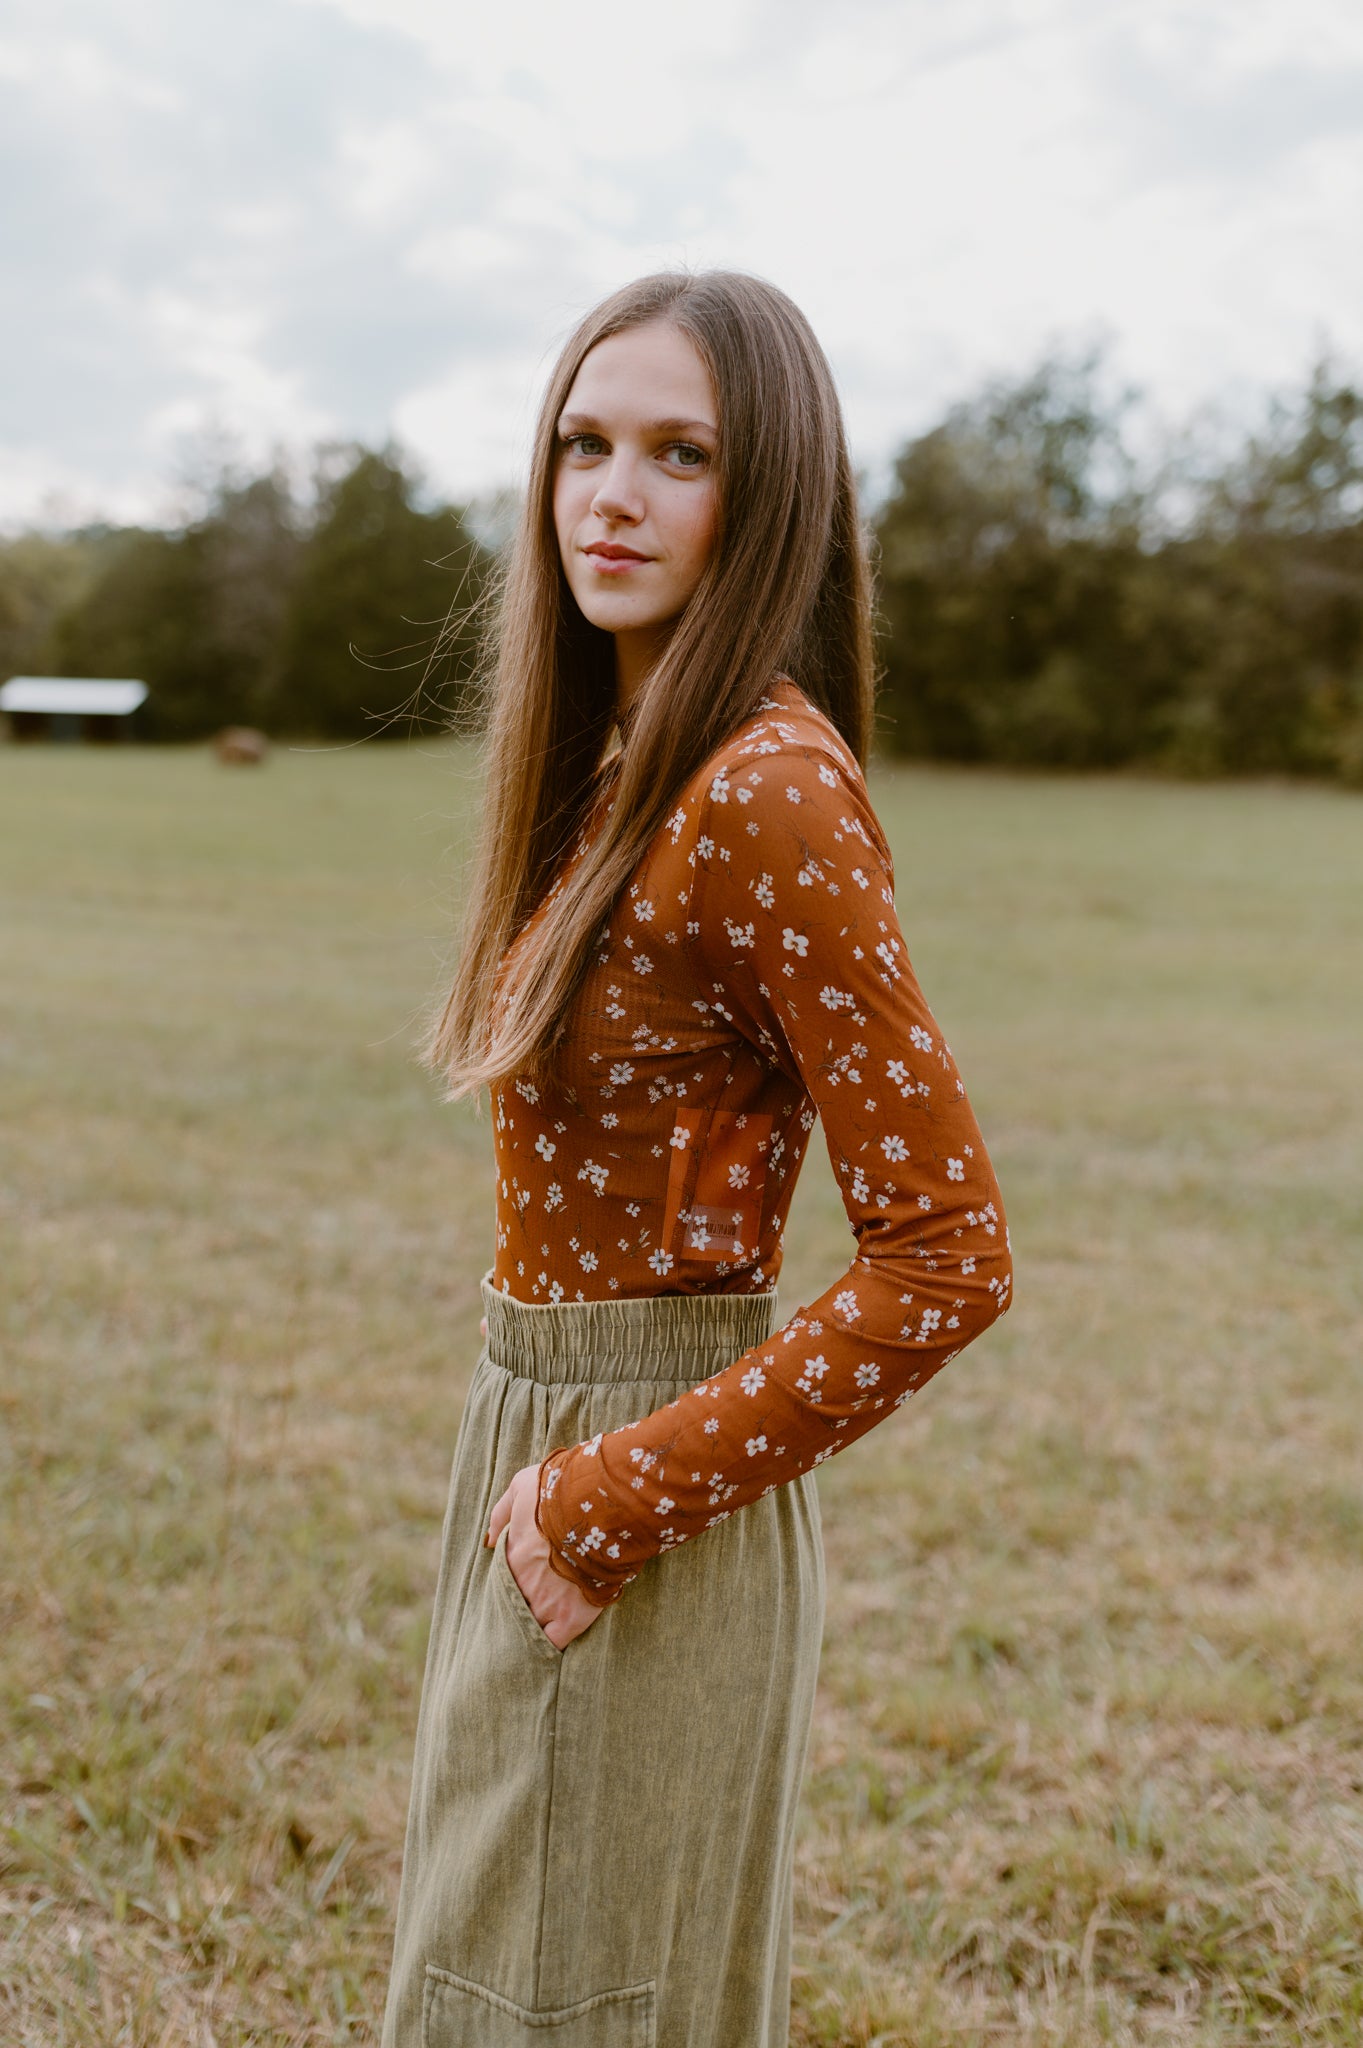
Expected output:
(673, 1338)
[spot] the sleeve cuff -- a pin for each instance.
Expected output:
(600, 1592)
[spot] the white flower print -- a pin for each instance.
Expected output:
(705, 1028)
(815, 1369)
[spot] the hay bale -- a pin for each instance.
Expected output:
(240, 746)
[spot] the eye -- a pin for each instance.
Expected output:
(589, 446)
(686, 455)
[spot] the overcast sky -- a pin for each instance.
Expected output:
(294, 218)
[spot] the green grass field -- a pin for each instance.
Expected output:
(1088, 1764)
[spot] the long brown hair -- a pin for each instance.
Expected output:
(786, 591)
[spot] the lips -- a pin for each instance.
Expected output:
(611, 551)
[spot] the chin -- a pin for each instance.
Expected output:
(620, 618)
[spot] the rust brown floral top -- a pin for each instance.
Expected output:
(753, 974)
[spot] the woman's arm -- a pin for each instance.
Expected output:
(798, 947)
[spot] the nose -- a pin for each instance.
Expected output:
(617, 495)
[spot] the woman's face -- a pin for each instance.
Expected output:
(634, 490)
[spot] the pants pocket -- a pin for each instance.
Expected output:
(512, 1598)
(460, 2014)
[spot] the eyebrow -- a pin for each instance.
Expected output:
(580, 422)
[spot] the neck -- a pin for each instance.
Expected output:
(636, 651)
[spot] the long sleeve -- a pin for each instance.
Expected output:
(796, 947)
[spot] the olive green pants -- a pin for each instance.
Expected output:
(600, 1839)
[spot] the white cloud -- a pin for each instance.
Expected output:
(357, 216)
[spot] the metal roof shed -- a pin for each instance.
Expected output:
(69, 707)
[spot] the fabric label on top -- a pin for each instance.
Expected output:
(715, 1185)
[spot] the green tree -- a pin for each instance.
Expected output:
(318, 618)
(1273, 569)
(376, 581)
(41, 575)
(1004, 549)
(147, 615)
(249, 542)
(195, 614)
(1041, 605)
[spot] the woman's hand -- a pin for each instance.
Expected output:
(558, 1607)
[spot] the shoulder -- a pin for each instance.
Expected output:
(785, 726)
(784, 792)
(787, 753)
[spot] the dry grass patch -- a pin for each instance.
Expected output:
(1087, 1767)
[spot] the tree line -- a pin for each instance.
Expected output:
(330, 608)
(1045, 598)
(1046, 601)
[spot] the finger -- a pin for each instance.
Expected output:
(500, 1516)
(564, 1630)
(482, 1326)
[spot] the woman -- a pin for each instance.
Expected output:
(679, 949)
